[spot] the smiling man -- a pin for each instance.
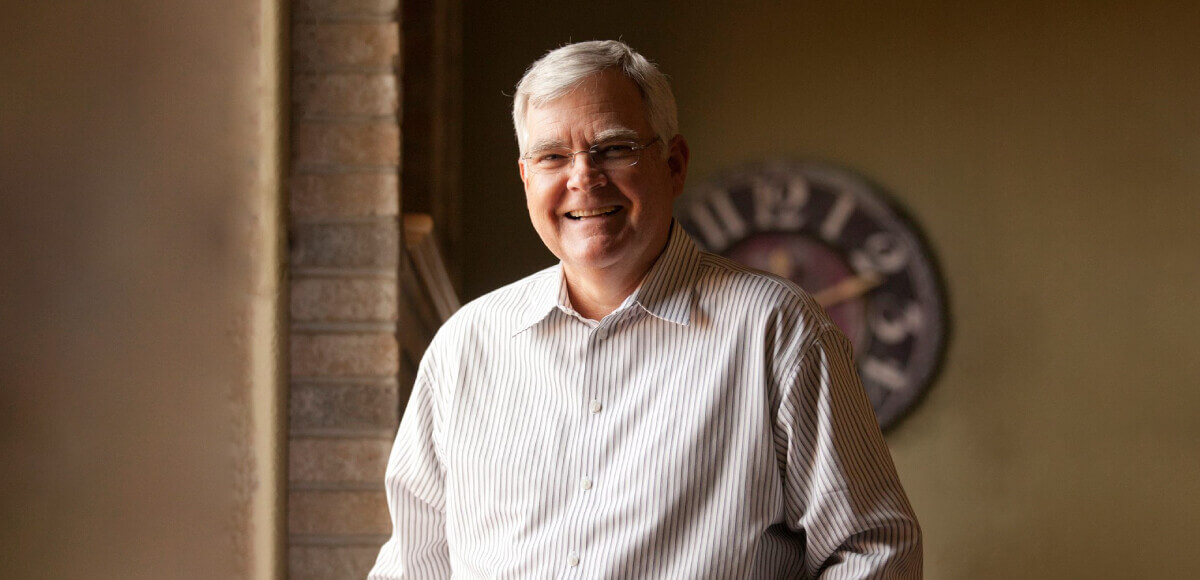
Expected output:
(642, 409)
(600, 183)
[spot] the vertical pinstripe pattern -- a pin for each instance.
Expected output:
(713, 426)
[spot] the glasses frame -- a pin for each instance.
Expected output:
(592, 152)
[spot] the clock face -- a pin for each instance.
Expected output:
(846, 243)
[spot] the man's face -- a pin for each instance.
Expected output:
(632, 204)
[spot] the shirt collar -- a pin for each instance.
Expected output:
(541, 298)
(666, 292)
(668, 288)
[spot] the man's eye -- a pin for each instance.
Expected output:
(549, 158)
(615, 150)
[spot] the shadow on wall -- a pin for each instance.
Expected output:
(132, 217)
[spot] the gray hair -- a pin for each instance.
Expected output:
(562, 69)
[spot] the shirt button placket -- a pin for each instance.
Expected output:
(590, 435)
(596, 369)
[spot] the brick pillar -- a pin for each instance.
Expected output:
(345, 241)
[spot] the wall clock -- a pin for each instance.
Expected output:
(853, 248)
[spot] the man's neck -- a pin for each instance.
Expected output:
(597, 295)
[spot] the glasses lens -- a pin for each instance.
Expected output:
(611, 155)
(550, 161)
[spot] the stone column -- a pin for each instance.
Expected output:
(345, 243)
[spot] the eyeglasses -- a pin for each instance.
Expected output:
(605, 156)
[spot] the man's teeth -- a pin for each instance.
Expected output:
(582, 213)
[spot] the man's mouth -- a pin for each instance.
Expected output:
(587, 213)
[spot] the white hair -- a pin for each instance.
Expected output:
(562, 69)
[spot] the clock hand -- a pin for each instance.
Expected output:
(847, 288)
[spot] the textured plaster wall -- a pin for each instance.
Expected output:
(140, 286)
(1052, 153)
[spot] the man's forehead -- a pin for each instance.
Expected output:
(603, 106)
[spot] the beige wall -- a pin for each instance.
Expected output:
(1052, 153)
(140, 290)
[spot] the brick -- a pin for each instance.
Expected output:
(360, 406)
(343, 355)
(330, 562)
(346, 143)
(344, 94)
(345, 45)
(306, 9)
(345, 195)
(338, 460)
(354, 245)
(337, 512)
(337, 300)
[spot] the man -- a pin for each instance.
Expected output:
(642, 409)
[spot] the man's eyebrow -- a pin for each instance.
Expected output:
(617, 133)
(549, 143)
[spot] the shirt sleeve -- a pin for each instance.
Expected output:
(417, 547)
(841, 491)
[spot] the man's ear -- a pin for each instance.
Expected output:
(521, 169)
(678, 155)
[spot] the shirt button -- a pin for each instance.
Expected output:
(596, 406)
(573, 559)
(586, 482)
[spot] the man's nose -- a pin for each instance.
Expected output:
(584, 173)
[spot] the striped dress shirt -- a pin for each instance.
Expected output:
(713, 426)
